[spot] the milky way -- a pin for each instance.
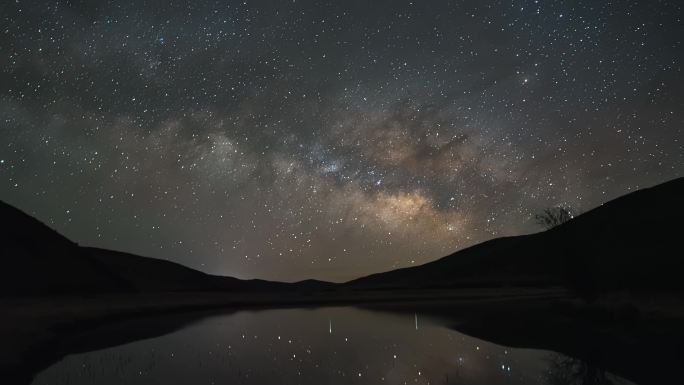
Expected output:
(305, 139)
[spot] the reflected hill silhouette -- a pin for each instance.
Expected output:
(641, 347)
(639, 353)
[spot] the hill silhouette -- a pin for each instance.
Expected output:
(629, 243)
(632, 243)
(39, 261)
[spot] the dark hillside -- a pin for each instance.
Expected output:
(629, 243)
(38, 260)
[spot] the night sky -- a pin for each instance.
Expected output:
(307, 139)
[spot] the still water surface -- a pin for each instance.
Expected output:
(341, 345)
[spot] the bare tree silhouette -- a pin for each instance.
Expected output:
(553, 216)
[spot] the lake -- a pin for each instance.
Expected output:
(335, 345)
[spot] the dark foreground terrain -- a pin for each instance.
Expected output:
(605, 287)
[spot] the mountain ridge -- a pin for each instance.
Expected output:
(56, 265)
(602, 249)
(580, 252)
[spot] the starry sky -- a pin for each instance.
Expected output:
(301, 139)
